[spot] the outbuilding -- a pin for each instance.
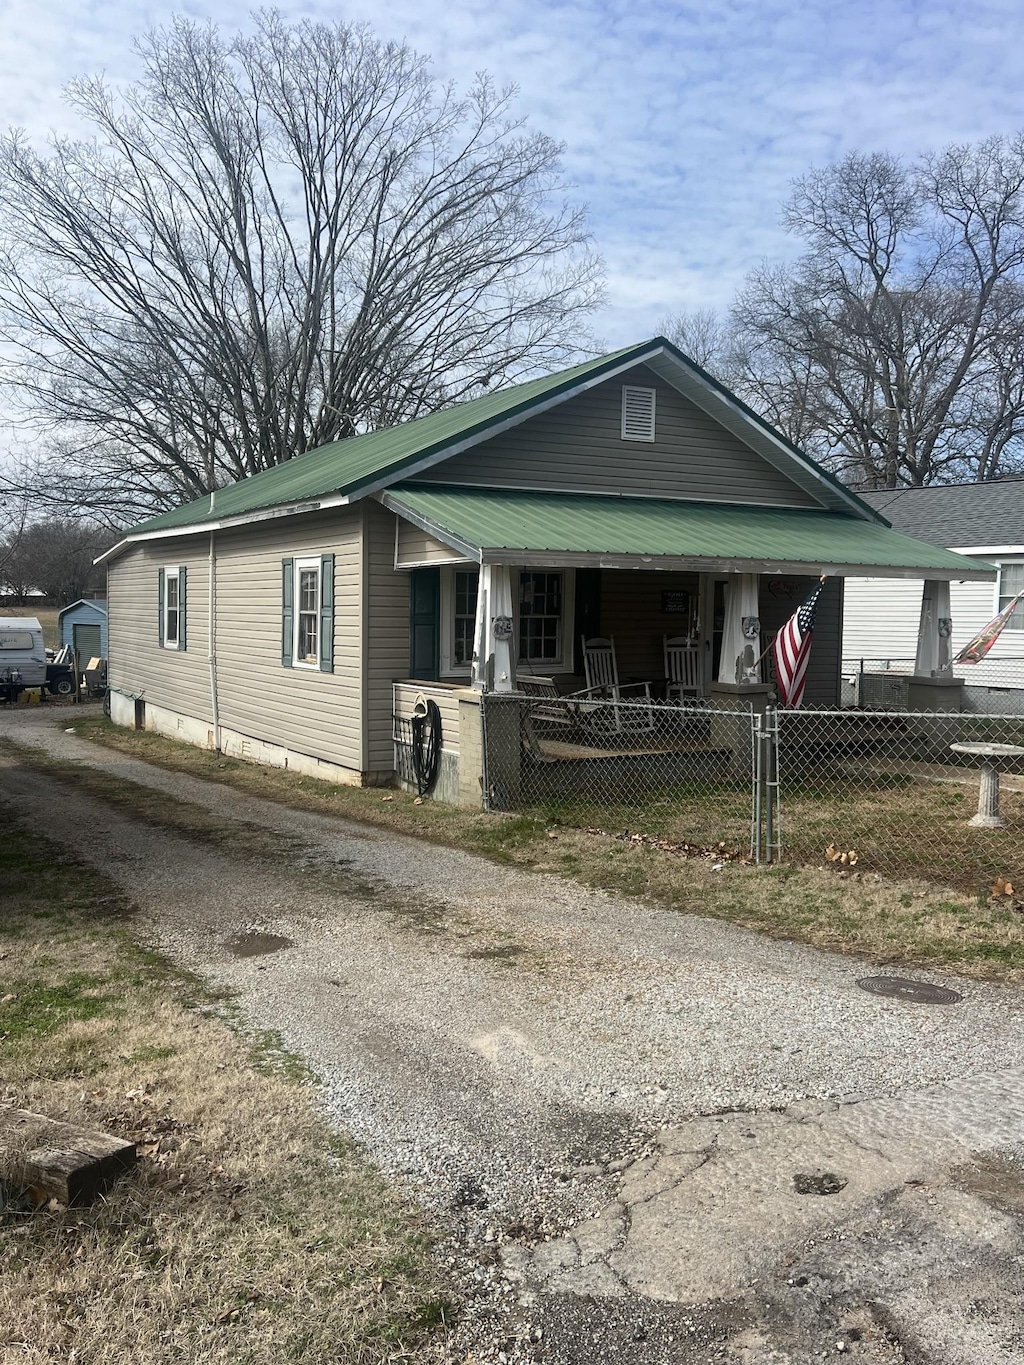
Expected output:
(83, 626)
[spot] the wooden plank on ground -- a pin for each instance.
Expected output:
(51, 1160)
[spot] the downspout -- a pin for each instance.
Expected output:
(212, 642)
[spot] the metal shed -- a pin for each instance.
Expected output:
(83, 625)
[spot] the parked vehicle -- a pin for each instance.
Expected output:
(24, 662)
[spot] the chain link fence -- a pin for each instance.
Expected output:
(993, 686)
(898, 793)
(894, 793)
(680, 773)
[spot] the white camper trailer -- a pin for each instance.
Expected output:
(22, 656)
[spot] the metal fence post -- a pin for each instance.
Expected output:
(773, 809)
(758, 787)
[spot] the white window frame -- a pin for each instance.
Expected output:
(628, 389)
(1016, 621)
(300, 566)
(172, 576)
(563, 664)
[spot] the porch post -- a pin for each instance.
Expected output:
(933, 686)
(493, 664)
(934, 636)
(741, 633)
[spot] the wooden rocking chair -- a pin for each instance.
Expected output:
(682, 668)
(618, 712)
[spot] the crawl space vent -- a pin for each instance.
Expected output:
(637, 413)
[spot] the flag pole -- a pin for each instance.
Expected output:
(767, 649)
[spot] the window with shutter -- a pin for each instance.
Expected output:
(637, 413)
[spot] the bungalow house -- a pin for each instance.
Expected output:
(881, 619)
(295, 617)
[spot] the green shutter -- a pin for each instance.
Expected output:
(160, 607)
(182, 605)
(287, 629)
(326, 613)
(424, 624)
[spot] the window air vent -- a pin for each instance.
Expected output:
(637, 413)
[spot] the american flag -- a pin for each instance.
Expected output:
(975, 651)
(791, 650)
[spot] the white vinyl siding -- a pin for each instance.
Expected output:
(137, 664)
(305, 709)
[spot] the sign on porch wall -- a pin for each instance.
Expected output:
(672, 602)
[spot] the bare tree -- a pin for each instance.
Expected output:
(705, 336)
(894, 346)
(272, 242)
(13, 520)
(55, 557)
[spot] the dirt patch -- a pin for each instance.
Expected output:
(256, 944)
(997, 1178)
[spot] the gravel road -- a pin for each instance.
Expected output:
(540, 1059)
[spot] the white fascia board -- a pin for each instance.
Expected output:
(224, 524)
(394, 504)
(556, 559)
(987, 550)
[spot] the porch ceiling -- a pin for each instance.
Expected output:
(513, 527)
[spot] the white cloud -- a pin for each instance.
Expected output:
(684, 122)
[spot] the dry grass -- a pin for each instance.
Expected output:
(912, 922)
(249, 1233)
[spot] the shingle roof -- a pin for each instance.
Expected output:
(511, 526)
(966, 514)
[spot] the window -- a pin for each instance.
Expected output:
(172, 607)
(171, 604)
(543, 641)
(1011, 582)
(540, 616)
(467, 585)
(637, 413)
(307, 613)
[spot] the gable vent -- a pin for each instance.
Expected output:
(637, 413)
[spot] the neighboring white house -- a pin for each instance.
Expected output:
(881, 616)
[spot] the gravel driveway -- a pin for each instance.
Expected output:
(611, 1106)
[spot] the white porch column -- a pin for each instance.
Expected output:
(493, 664)
(741, 634)
(934, 638)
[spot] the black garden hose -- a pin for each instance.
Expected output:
(426, 746)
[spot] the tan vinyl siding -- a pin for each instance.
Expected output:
(778, 599)
(415, 547)
(578, 447)
(138, 664)
(446, 695)
(631, 612)
(314, 713)
(387, 653)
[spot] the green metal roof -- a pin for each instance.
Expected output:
(362, 464)
(501, 523)
(345, 467)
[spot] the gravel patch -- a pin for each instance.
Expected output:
(510, 1043)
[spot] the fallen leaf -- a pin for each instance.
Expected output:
(387, 798)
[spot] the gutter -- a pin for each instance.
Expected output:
(212, 637)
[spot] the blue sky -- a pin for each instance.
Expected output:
(684, 123)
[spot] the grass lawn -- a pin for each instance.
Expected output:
(911, 921)
(249, 1233)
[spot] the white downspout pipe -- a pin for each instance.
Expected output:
(212, 641)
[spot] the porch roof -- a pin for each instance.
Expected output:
(506, 526)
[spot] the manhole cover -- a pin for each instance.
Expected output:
(920, 992)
